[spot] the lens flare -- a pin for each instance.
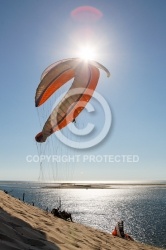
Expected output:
(86, 14)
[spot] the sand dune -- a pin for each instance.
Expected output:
(23, 226)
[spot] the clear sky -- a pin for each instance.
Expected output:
(130, 40)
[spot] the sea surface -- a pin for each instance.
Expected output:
(143, 208)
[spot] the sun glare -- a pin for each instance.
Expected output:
(87, 53)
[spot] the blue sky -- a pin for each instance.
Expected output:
(130, 40)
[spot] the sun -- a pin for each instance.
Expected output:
(87, 53)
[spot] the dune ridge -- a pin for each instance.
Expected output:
(26, 227)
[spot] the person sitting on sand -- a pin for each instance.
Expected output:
(119, 231)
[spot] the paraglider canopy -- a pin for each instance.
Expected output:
(86, 75)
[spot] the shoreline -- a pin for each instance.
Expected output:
(24, 226)
(98, 186)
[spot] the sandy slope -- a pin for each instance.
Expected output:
(23, 226)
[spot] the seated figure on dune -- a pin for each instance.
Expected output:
(61, 214)
(119, 231)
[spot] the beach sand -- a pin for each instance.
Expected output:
(23, 226)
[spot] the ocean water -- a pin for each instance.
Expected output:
(143, 209)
